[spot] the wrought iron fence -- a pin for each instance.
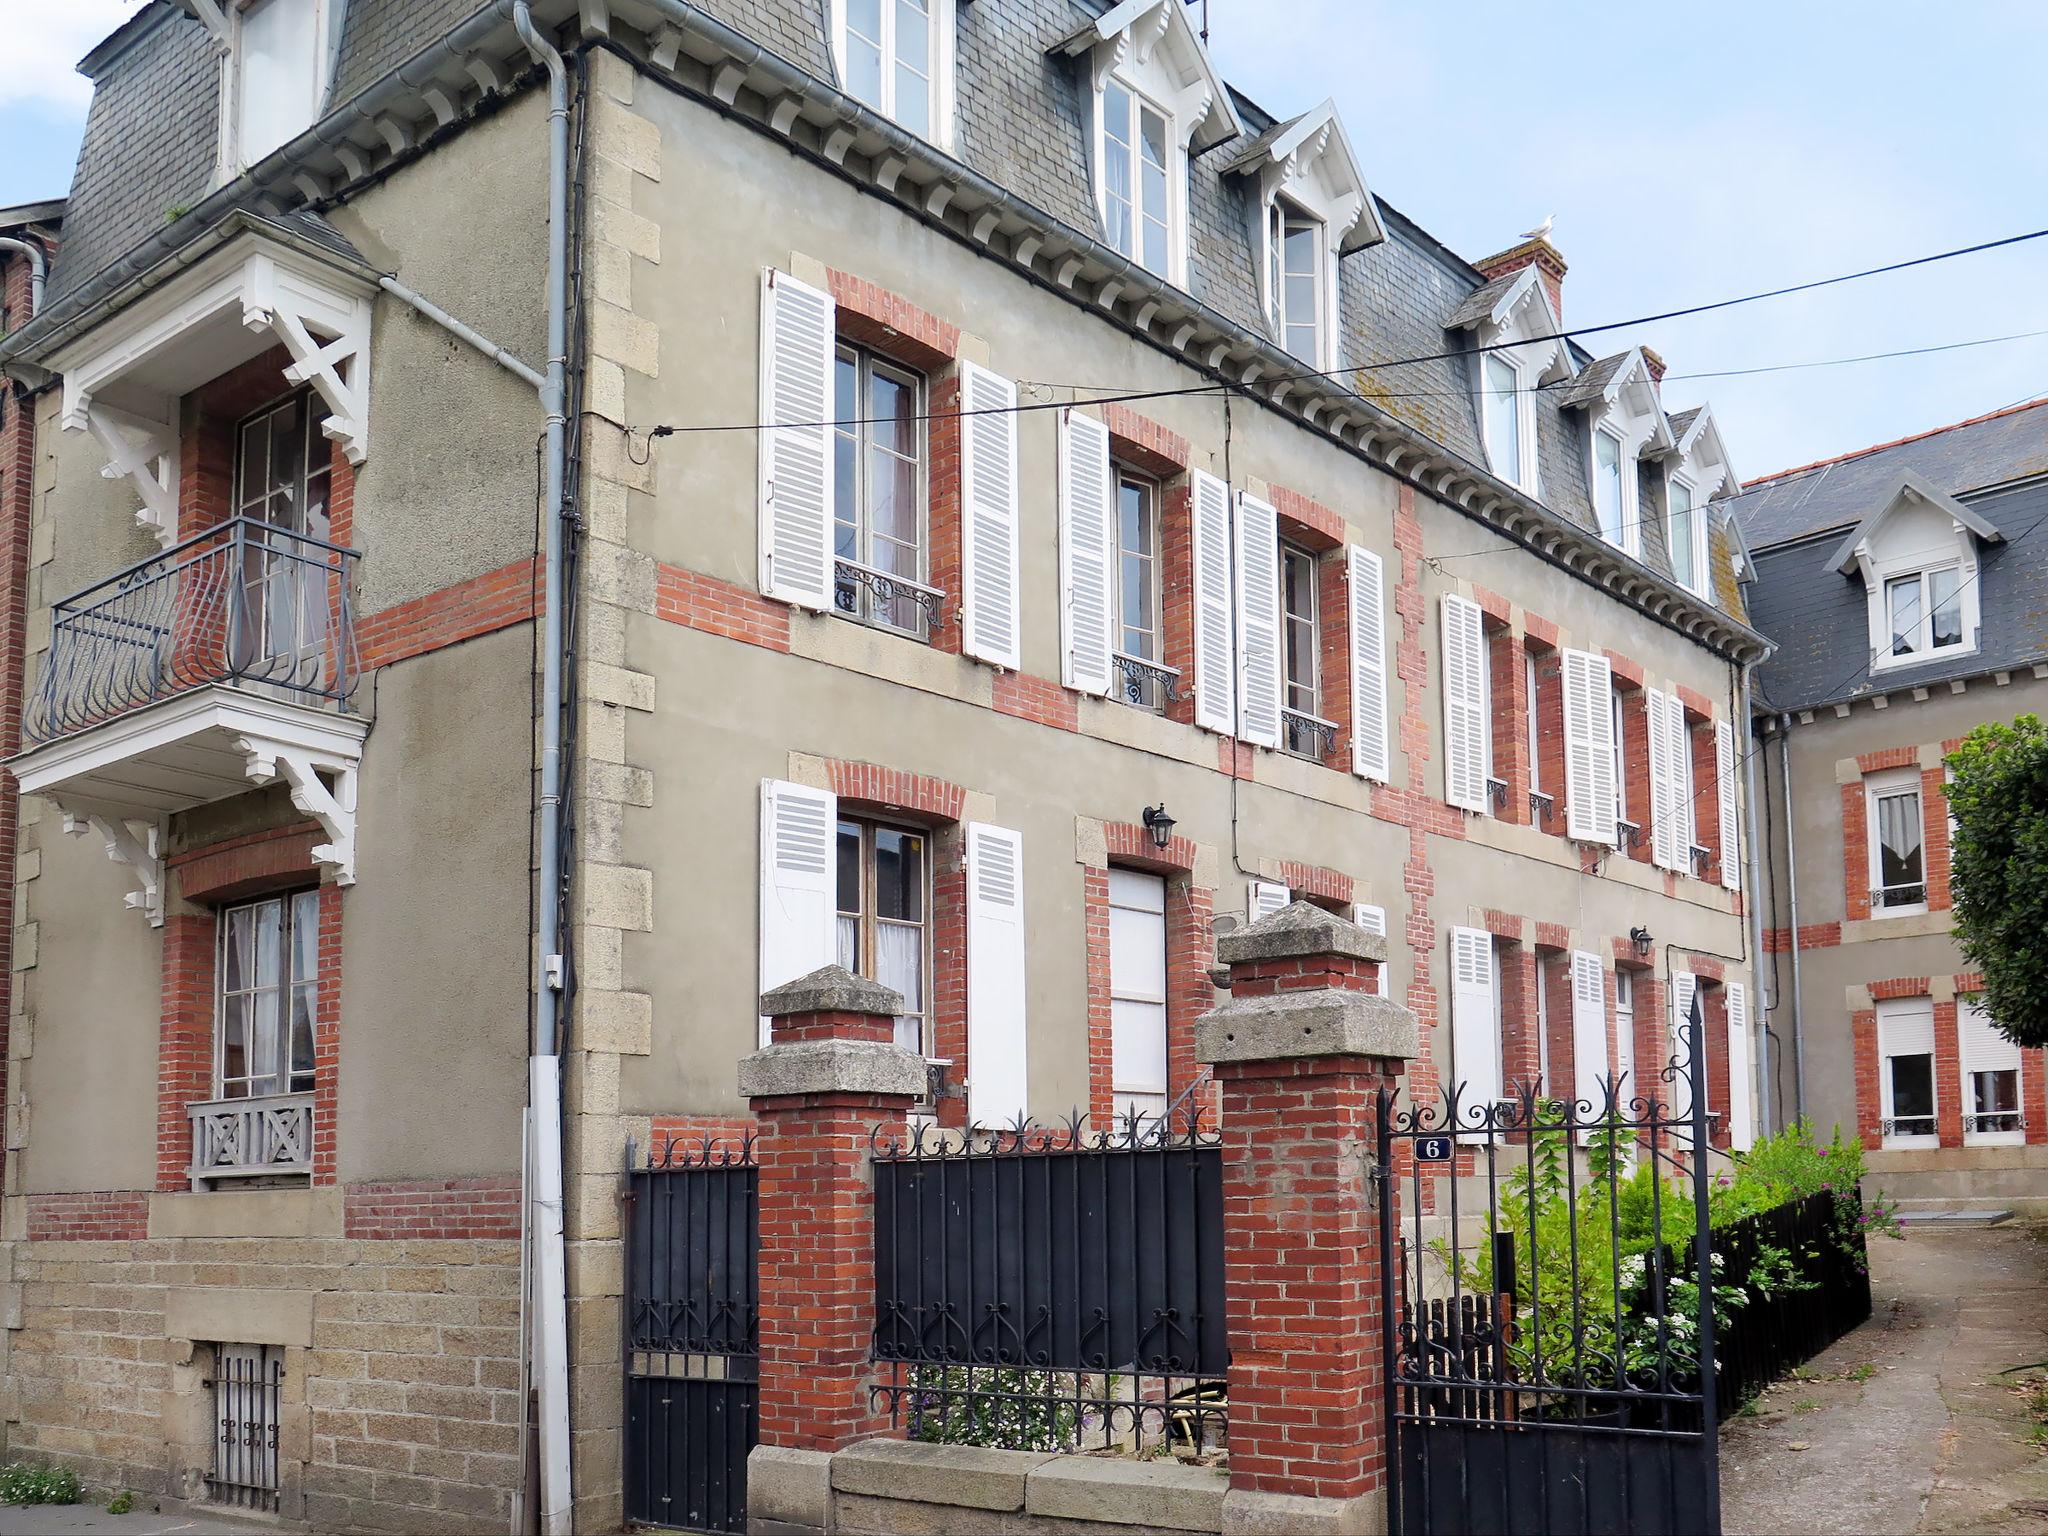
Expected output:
(244, 602)
(247, 1379)
(1053, 1288)
(692, 1243)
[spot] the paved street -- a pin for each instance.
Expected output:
(93, 1520)
(1906, 1425)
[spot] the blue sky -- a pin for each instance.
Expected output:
(1689, 153)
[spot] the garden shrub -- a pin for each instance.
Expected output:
(23, 1482)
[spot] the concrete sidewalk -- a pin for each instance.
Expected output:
(93, 1520)
(1905, 1426)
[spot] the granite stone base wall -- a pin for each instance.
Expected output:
(399, 1406)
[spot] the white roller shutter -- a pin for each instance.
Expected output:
(1475, 1014)
(798, 325)
(1682, 988)
(1087, 552)
(1589, 1030)
(1374, 920)
(995, 975)
(1258, 622)
(1666, 848)
(1589, 747)
(1265, 898)
(1209, 506)
(799, 900)
(988, 514)
(1724, 774)
(1367, 580)
(1464, 686)
(1741, 1091)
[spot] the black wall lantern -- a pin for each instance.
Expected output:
(1642, 938)
(1159, 824)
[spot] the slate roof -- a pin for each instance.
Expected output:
(150, 144)
(1478, 304)
(1593, 379)
(1836, 493)
(1996, 465)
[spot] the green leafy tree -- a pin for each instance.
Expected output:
(1998, 797)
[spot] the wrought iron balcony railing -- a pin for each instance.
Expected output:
(245, 603)
(247, 1138)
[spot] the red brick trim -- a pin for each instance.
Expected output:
(1778, 941)
(484, 1208)
(1934, 840)
(1333, 643)
(184, 1041)
(1509, 694)
(1628, 673)
(1869, 1097)
(942, 516)
(1541, 633)
(1493, 605)
(1143, 443)
(1519, 1052)
(1307, 522)
(1695, 702)
(697, 601)
(891, 790)
(1887, 757)
(1317, 881)
(1036, 699)
(1095, 921)
(276, 859)
(1505, 925)
(1899, 986)
(479, 606)
(327, 1039)
(96, 1216)
(1129, 843)
(1948, 1075)
(1855, 853)
(872, 316)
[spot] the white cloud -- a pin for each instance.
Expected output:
(45, 41)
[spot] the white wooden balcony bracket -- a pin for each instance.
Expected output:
(339, 369)
(137, 844)
(145, 452)
(334, 809)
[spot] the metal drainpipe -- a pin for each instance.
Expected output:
(1753, 879)
(1792, 884)
(37, 270)
(544, 1198)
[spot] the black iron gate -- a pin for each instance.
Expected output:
(1549, 1332)
(692, 1240)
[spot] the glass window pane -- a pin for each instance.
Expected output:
(253, 467)
(849, 944)
(1945, 604)
(1682, 546)
(899, 875)
(1903, 596)
(863, 68)
(913, 100)
(264, 1040)
(237, 963)
(899, 961)
(269, 943)
(913, 35)
(1913, 1094)
(1607, 486)
(306, 936)
(1154, 255)
(1899, 854)
(302, 1040)
(849, 868)
(1503, 425)
(234, 1045)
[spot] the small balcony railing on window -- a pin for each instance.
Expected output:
(1307, 735)
(884, 598)
(245, 603)
(1907, 894)
(251, 1138)
(1145, 684)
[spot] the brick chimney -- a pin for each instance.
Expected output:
(1538, 253)
(1654, 361)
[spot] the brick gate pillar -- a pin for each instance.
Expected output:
(1300, 1050)
(830, 1073)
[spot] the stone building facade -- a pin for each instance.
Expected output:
(990, 569)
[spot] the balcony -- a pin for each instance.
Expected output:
(226, 662)
(251, 1138)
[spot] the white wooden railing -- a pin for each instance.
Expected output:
(240, 1138)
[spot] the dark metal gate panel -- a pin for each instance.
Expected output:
(692, 1244)
(1538, 1378)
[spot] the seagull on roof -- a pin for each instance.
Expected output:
(1541, 231)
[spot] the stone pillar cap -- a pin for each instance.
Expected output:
(831, 989)
(1296, 931)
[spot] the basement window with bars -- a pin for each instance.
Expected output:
(247, 1381)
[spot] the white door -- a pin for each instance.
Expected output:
(1137, 991)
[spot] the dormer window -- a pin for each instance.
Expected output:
(1154, 95)
(1626, 426)
(274, 76)
(1136, 190)
(1685, 535)
(1516, 328)
(1918, 558)
(1610, 487)
(1296, 244)
(897, 56)
(1506, 421)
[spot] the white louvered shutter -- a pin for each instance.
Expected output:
(1369, 751)
(1589, 1030)
(799, 889)
(1741, 1091)
(1724, 774)
(1682, 988)
(797, 339)
(1475, 1036)
(1681, 776)
(1665, 848)
(1265, 898)
(1374, 920)
(1209, 503)
(995, 975)
(1464, 685)
(1588, 747)
(988, 513)
(1258, 622)
(1087, 552)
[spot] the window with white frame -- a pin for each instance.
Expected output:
(267, 996)
(1897, 843)
(878, 466)
(1137, 186)
(1534, 722)
(1137, 992)
(1616, 714)
(1301, 715)
(1924, 612)
(1610, 490)
(1991, 1078)
(274, 76)
(1685, 535)
(1624, 1030)
(1502, 405)
(884, 917)
(1295, 247)
(1136, 591)
(896, 55)
(1905, 1042)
